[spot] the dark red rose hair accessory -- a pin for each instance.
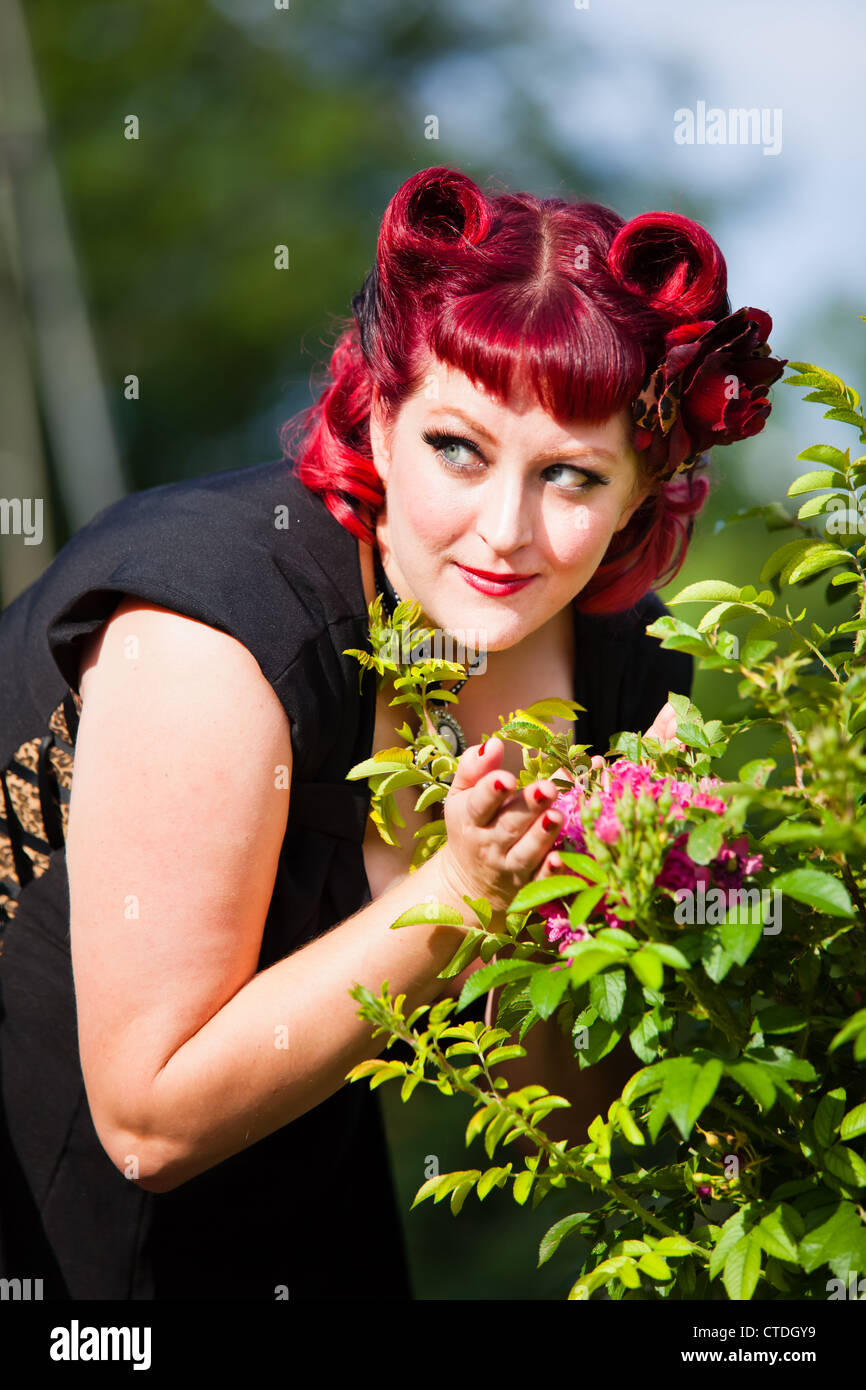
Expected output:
(711, 388)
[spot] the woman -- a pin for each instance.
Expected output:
(186, 916)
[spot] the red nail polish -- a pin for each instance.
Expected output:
(547, 822)
(500, 786)
(539, 794)
(481, 749)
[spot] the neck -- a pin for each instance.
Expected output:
(501, 666)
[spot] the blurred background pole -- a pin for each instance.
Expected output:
(53, 368)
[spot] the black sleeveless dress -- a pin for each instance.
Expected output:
(256, 554)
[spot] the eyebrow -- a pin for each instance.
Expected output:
(580, 451)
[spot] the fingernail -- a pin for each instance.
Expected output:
(540, 795)
(481, 749)
(500, 786)
(548, 822)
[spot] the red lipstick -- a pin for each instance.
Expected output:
(498, 584)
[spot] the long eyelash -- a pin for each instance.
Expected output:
(438, 439)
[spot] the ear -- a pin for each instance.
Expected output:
(380, 437)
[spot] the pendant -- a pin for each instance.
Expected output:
(450, 731)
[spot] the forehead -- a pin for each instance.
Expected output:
(444, 388)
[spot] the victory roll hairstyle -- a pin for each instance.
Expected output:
(508, 287)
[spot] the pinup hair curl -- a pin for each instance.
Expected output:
(503, 285)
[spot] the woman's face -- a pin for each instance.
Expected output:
(474, 484)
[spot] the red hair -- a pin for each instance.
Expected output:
(503, 285)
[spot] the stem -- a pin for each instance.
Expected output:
(745, 1122)
(556, 1157)
(851, 885)
(792, 739)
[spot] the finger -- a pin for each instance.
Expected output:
(664, 726)
(477, 760)
(538, 841)
(490, 795)
(551, 864)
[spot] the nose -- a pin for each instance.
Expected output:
(504, 519)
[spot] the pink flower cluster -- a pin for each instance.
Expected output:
(623, 779)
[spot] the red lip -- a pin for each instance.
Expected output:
(500, 578)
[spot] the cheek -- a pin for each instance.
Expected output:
(432, 513)
(586, 533)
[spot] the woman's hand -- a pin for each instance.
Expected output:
(497, 836)
(664, 726)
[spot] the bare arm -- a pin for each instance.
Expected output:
(177, 818)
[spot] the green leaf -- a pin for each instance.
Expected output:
(408, 777)
(582, 907)
(494, 1177)
(774, 1233)
(828, 1116)
(479, 1120)
(846, 1164)
(780, 558)
(397, 761)
(653, 1265)
(465, 954)
(705, 841)
(706, 590)
(688, 1089)
(543, 890)
(584, 865)
(816, 889)
(739, 939)
(855, 1024)
(488, 976)
(825, 453)
(430, 795)
(523, 1186)
(623, 1117)
(607, 994)
(815, 506)
(820, 557)
(555, 709)
(670, 955)
(730, 1235)
(716, 960)
(809, 482)
(505, 1054)
(546, 989)
(743, 1267)
(428, 914)
(459, 1195)
(839, 1240)
(753, 1079)
(648, 968)
(854, 1123)
(588, 958)
(552, 1239)
(482, 909)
